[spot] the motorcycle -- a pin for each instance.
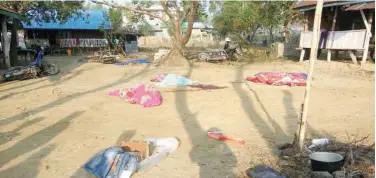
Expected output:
(34, 69)
(228, 53)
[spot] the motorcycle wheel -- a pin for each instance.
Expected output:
(2, 78)
(50, 69)
(236, 56)
(203, 57)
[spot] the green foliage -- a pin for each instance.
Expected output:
(236, 16)
(45, 11)
(145, 29)
(202, 15)
(145, 3)
(94, 6)
(115, 17)
(242, 16)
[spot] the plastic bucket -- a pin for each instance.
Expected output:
(69, 52)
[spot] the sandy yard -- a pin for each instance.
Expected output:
(51, 126)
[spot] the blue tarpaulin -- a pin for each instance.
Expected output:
(90, 20)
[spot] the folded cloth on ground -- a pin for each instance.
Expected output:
(142, 94)
(112, 162)
(175, 80)
(279, 78)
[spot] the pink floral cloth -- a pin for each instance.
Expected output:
(142, 94)
(279, 78)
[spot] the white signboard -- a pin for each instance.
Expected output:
(344, 40)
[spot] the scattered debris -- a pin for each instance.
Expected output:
(218, 135)
(319, 142)
(207, 86)
(339, 174)
(363, 156)
(160, 54)
(321, 174)
(122, 161)
(134, 61)
(161, 147)
(263, 172)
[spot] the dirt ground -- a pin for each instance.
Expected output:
(51, 126)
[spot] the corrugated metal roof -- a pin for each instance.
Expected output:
(369, 5)
(310, 5)
(9, 12)
(306, 3)
(90, 20)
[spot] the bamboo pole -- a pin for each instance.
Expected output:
(312, 59)
(332, 34)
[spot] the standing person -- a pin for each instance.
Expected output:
(324, 32)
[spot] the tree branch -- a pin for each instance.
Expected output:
(133, 9)
(167, 11)
(191, 19)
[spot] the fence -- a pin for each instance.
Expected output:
(166, 42)
(83, 42)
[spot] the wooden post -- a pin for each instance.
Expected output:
(332, 34)
(5, 40)
(353, 56)
(367, 23)
(313, 57)
(302, 53)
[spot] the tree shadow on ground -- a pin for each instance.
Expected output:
(214, 158)
(7, 136)
(70, 66)
(125, 136)
(70, 97)
(30, 167)
(61, 81)
(268, 128)
(37, 139)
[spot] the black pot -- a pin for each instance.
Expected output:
(326, 161)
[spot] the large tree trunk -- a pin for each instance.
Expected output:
(287, 31)
(5, 41)
(271, 35)
(176, 55)
(14, 43)
(254, 32)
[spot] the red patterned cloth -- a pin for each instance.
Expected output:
(279, 78)
(142, 94)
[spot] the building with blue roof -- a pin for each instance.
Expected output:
(90, 20)
(88, 26)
